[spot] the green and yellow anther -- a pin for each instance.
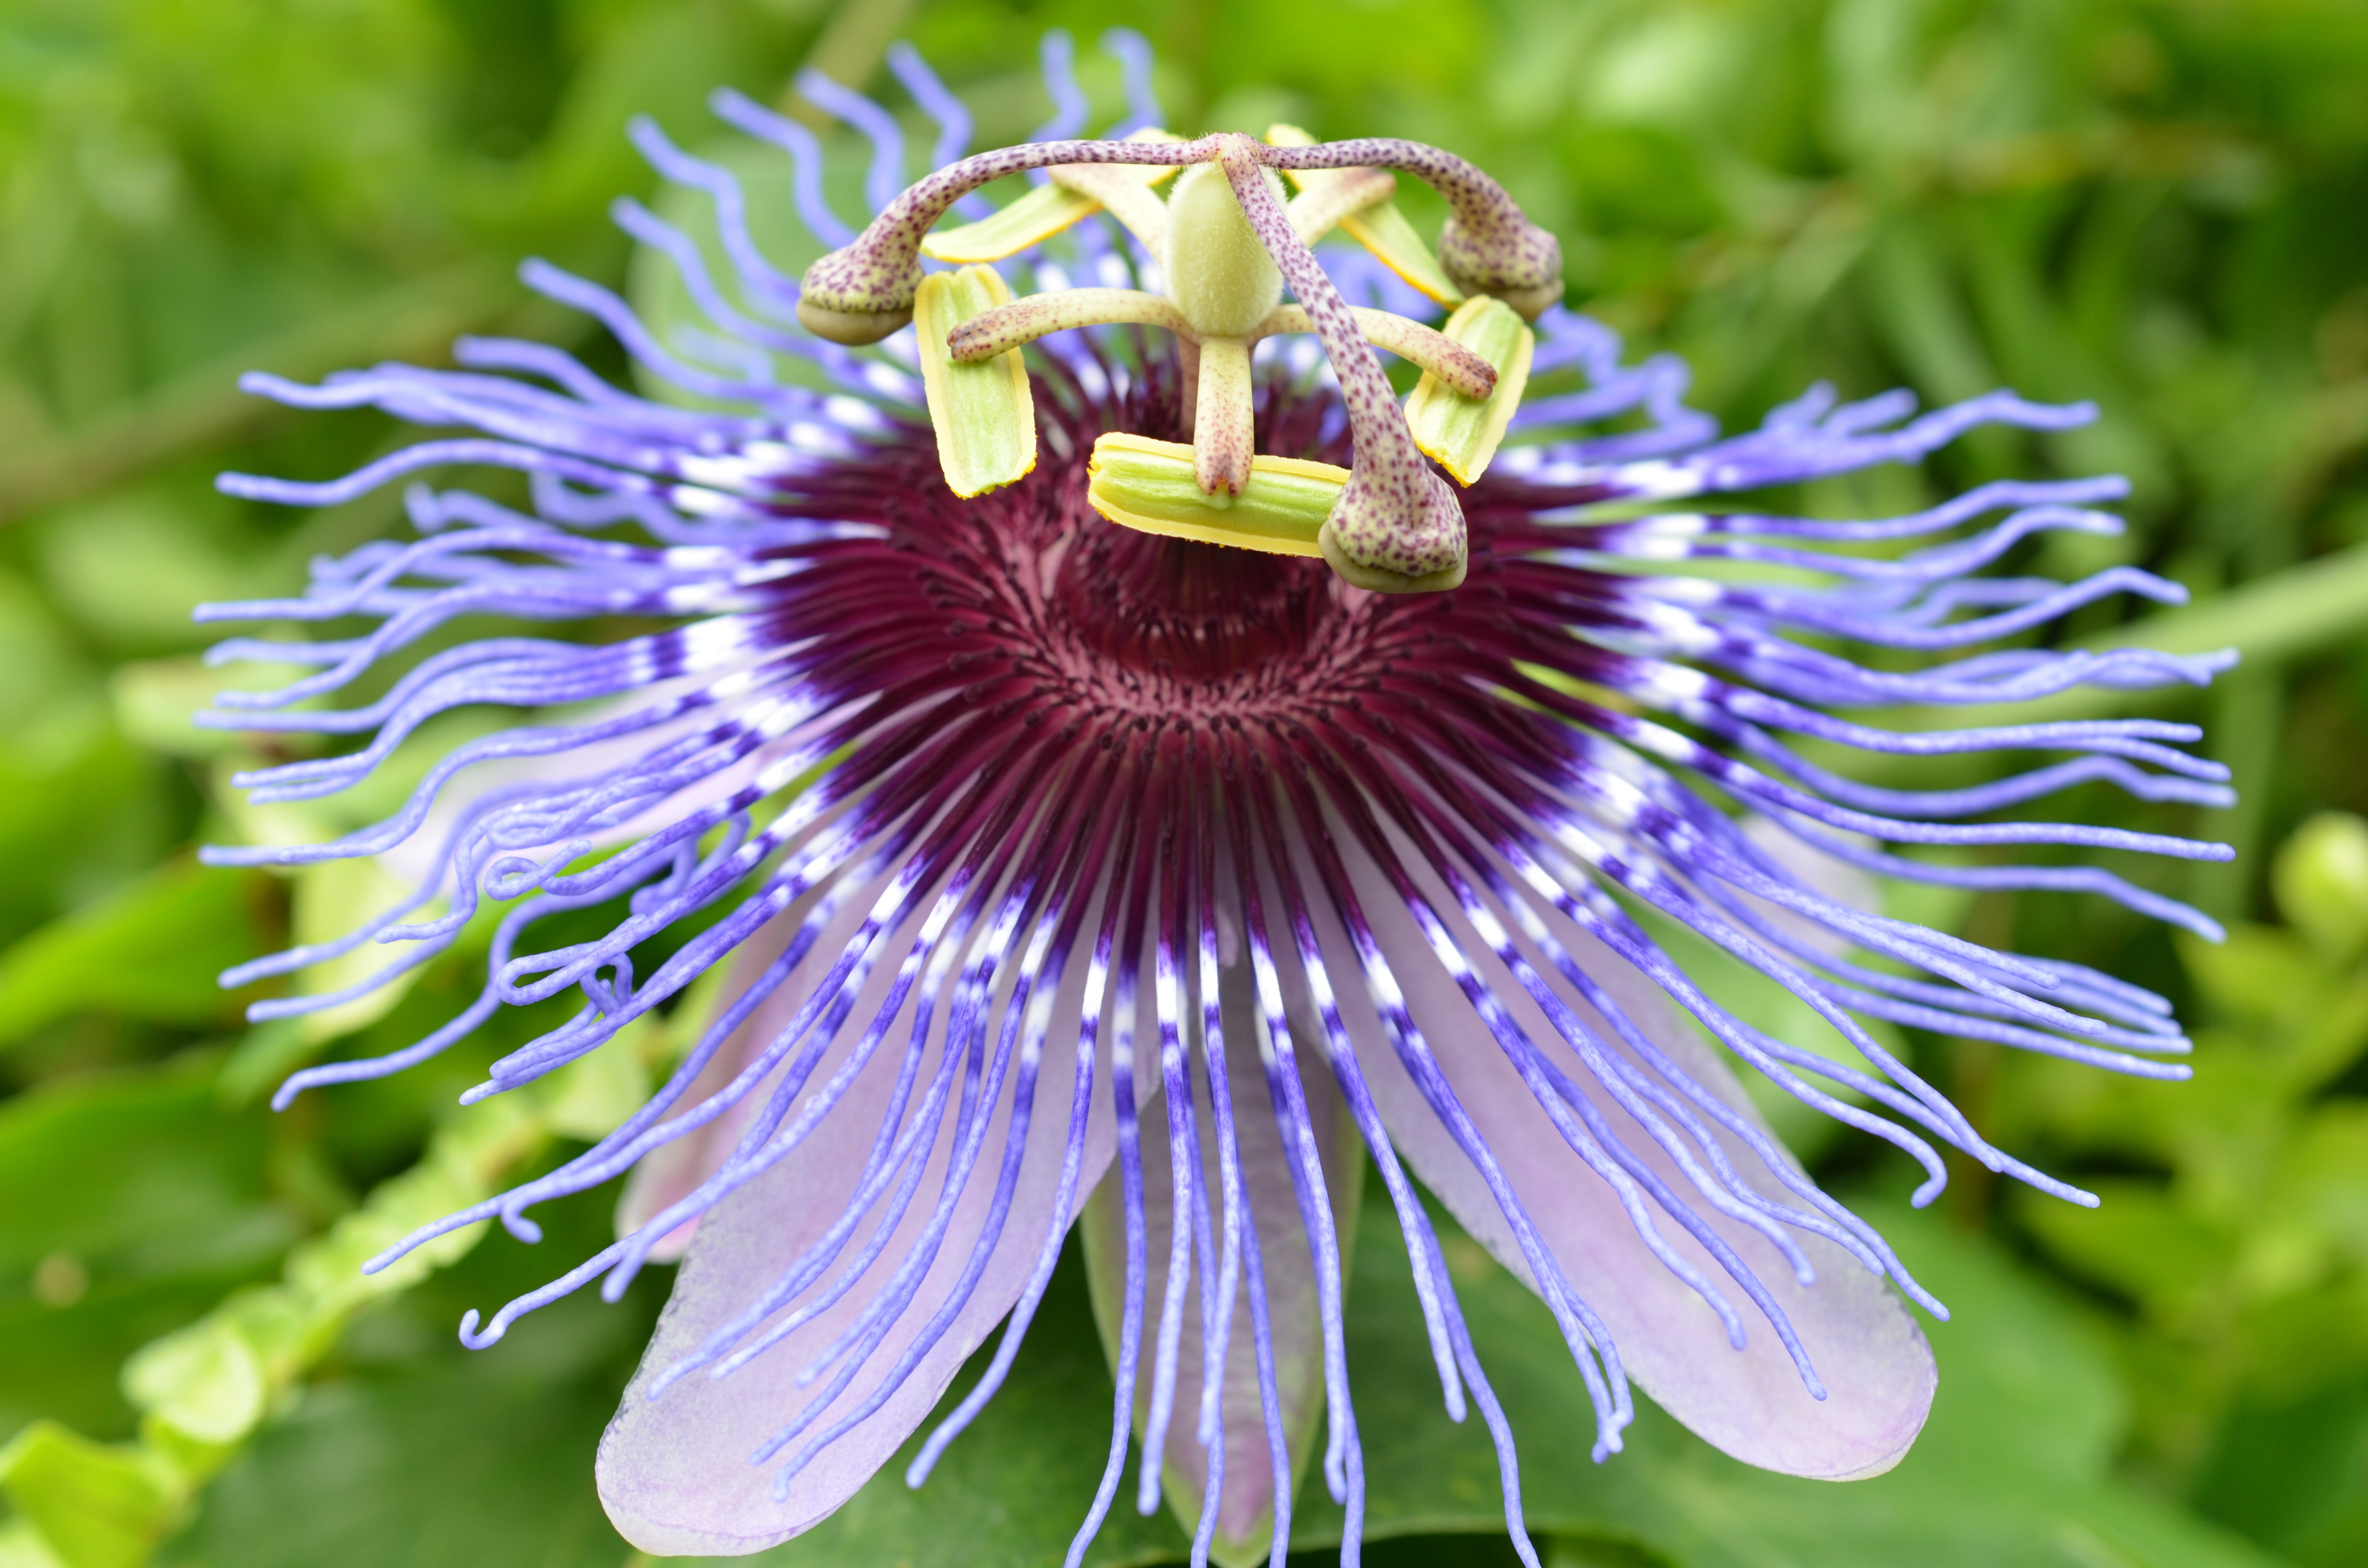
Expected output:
(982, 411)
(1455, 430)
(1150, 486)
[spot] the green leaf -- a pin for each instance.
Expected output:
(415, 1453)
(462, 1460)
(328, 1272)
(282, 1329)
(1925, 315)
(2321, 877)
(23, 1546)
(76, 811)
(154, 701)
(95, 1505)
(38, 662)
(83, 566)
(205, 1381)
(264, 1055)
(2319, 1189)
(2257, 972)
(151, 950)
(2140, 1241)
(133, 1203)
(2294, 1474)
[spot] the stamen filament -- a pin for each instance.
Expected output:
(1425, 346)
(1223, 441)
(1026, 320)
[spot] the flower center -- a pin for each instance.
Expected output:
(1027, 598)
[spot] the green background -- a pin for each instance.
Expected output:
(2158, 204)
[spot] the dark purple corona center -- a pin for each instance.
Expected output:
(1027, 599)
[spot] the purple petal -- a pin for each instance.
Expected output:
(1871, 1358)
(670, 1173)
(676, 1471)
(1245, 1516)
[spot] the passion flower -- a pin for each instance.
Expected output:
(1076, 867)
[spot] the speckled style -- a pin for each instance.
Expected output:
(877, 271)
(1408, 339)
(1489, 246)
(1025, 319)
(1398, 525)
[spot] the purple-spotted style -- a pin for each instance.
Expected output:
(1063, 871)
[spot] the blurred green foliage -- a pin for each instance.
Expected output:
(2247, 1268)
(2161, 205)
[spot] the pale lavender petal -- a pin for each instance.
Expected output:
(1245, 1516)
(670, 1173)
(674, 1472)
(1876, 1369)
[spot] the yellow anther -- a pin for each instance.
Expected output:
(1033, 218)
(1459, 433)
(1150, 487)
(1077, 191)
(983, 413)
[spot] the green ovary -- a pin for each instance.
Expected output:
(1218, 273)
